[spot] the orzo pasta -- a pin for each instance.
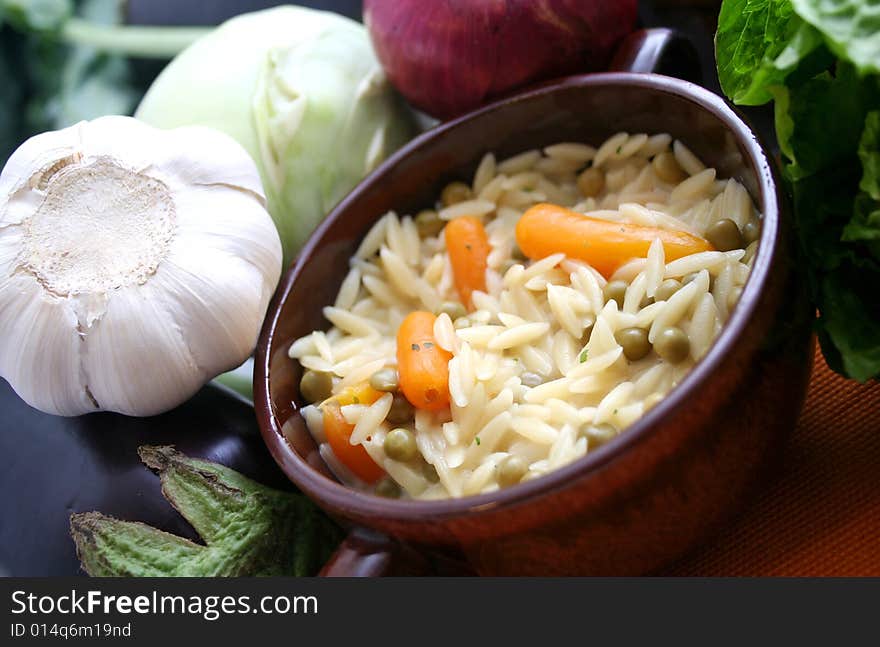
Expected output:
(527, 319)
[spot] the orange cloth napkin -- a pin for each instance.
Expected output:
(822, 516)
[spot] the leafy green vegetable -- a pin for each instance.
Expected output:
(850, 27)
(77, 83)
(248, 529)
(809, 137)
(62, 62)
(55, 84)
(865, 223)
(850, 321)
(36, 15)
(842, 277)
(819, 60)
(759, 43)
(869, 153)
(18, 21)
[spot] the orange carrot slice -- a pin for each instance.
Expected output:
(468, 248)
(338, 432)
(422, 366)
(547, 229)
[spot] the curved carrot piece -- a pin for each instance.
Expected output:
(547, 229)
(338, 432)
(422, 366)
(468, 248)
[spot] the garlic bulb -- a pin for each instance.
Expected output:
(135, 265)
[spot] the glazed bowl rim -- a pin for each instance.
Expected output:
(363, 505)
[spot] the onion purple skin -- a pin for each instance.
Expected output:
(450, 56)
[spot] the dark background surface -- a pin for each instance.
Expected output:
(51, 466)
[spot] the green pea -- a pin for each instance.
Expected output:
(666, 290)
(316, 386)
(454, 193)
(428, 223)
(725, 235)
(673, 345)
(751, 231)
(591, 182)
(511, 470)
(598, 435)
(634, 342)
(385, 380)
(401, 410)
(454, 309)
(667, 168)
(615, 291)
(400, 445)
(388, 488)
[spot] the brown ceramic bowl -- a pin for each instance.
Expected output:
(664, 484)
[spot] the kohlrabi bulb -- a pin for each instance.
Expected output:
(303, 92)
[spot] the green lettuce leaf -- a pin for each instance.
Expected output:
(80, 83)
(48, 83)
(869, 153)
(865, 224)
(819, 123)
(36, 15)
(849, 321)
(837, 225)
(843, 274)
(850, 27)
(759, 44)
(818, 59)
(823, 205)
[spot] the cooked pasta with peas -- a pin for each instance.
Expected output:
(527, 319)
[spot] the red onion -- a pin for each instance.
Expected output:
(450, 56)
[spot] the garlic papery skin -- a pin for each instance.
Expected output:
(135, 265)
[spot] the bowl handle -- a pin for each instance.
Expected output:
(658, 51)
(366, 553)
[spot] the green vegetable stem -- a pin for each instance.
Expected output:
(247, 528)
(137, 41)
(301, 90)
(62, 62)
(97, 27)
(819, 60)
